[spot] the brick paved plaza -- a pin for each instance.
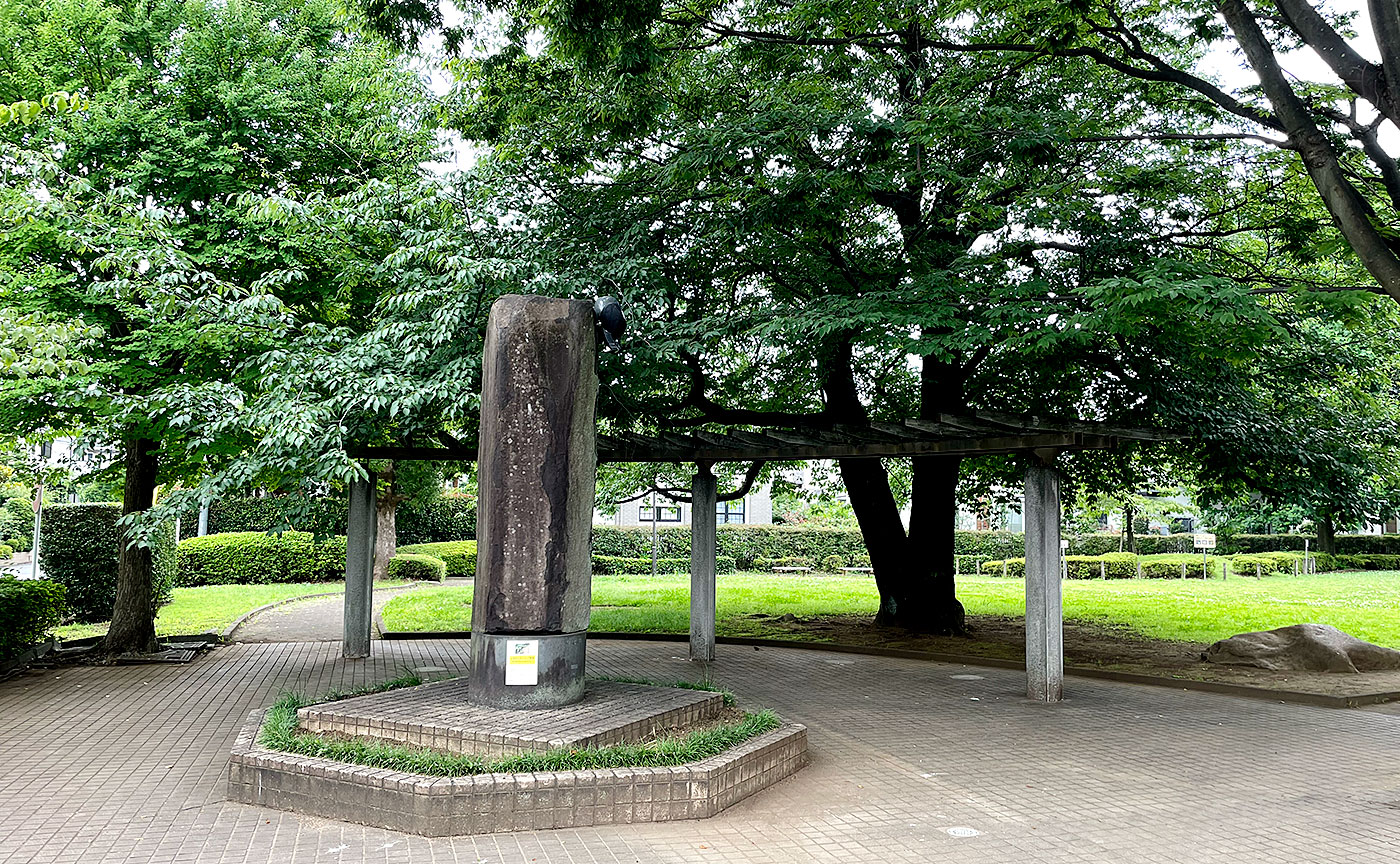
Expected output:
(127, 764)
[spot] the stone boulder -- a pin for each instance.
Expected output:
(1303, 648)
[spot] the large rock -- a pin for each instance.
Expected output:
(1303, 648)
(536, 471)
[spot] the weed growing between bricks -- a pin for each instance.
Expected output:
(281, 733)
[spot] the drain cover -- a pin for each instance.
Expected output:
(962, 831)
(428, 670)
(968, 677)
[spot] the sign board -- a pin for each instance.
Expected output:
(1204, 541)
(522, 662)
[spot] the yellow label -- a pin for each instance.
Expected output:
(522, 658)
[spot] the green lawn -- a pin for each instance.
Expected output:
(1367, 605)
(213, 607)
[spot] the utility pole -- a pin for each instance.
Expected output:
(45, 451)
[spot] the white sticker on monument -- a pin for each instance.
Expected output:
(522, 662)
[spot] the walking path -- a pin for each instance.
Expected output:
(317, 619)
(912, 761)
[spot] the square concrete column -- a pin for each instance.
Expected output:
(1045, 654)
(360, 533)
(703, 495)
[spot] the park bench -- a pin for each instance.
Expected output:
(857, 569)
(792, 569)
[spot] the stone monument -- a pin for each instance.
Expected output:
(537, 468)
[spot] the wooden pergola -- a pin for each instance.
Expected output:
(975, 434)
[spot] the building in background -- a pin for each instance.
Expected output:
(756, 508)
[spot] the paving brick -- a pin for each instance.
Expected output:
(130, 766)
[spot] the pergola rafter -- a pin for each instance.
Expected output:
(979, 433)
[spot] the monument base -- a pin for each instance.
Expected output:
(436, 716)
(527, 670)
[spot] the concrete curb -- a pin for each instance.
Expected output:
(1290, 696)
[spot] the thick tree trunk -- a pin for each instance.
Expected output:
(868, 486)
(930, 597)
(1327, 535)
(133, 627)
(386, 522)
(385, 540)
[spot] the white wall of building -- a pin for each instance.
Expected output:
(754, 509)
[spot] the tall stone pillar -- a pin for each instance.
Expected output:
(537, 467)
(1045, 653)
(703, 496)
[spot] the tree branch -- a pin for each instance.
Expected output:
(1348, 208)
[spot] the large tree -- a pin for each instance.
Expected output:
(126, 220)
(821, 214)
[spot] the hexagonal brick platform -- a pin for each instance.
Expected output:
(437, 716)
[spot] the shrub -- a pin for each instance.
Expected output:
(79, 548)
(1093, 544)
(833, 563)
(1164, 544)
(1374, 562)
(441, 520)
(29, 608)
(1323, 562)
(616, 565)
(763, 565)
(611, 565)
(17, 524)
(416, 567)
(256, 558)
(6, 550)
(1265, 563)
(1368, 544)
(458, 555)
(1012, 567)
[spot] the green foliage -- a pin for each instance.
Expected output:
(1114, 565)
(417, 567)
(641, 566)
(833, 563)
(458, 555)
(252, 557)
(763, 565)
(442, 519)
(1368, 562)
(17, 524)
(79, 547)
(29, 608)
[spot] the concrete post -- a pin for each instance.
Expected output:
(360, 531)
(703, 495)
(1045, 663)
(537, 467)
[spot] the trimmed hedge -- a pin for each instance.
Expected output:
(17, 524)
(79, 548)
(449, 518)
(255, 558)
(30, 608)
(612, 565)
(1114, 565)
(1368, 562)
(1347, 544)
(420, 568)
(458, 555)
